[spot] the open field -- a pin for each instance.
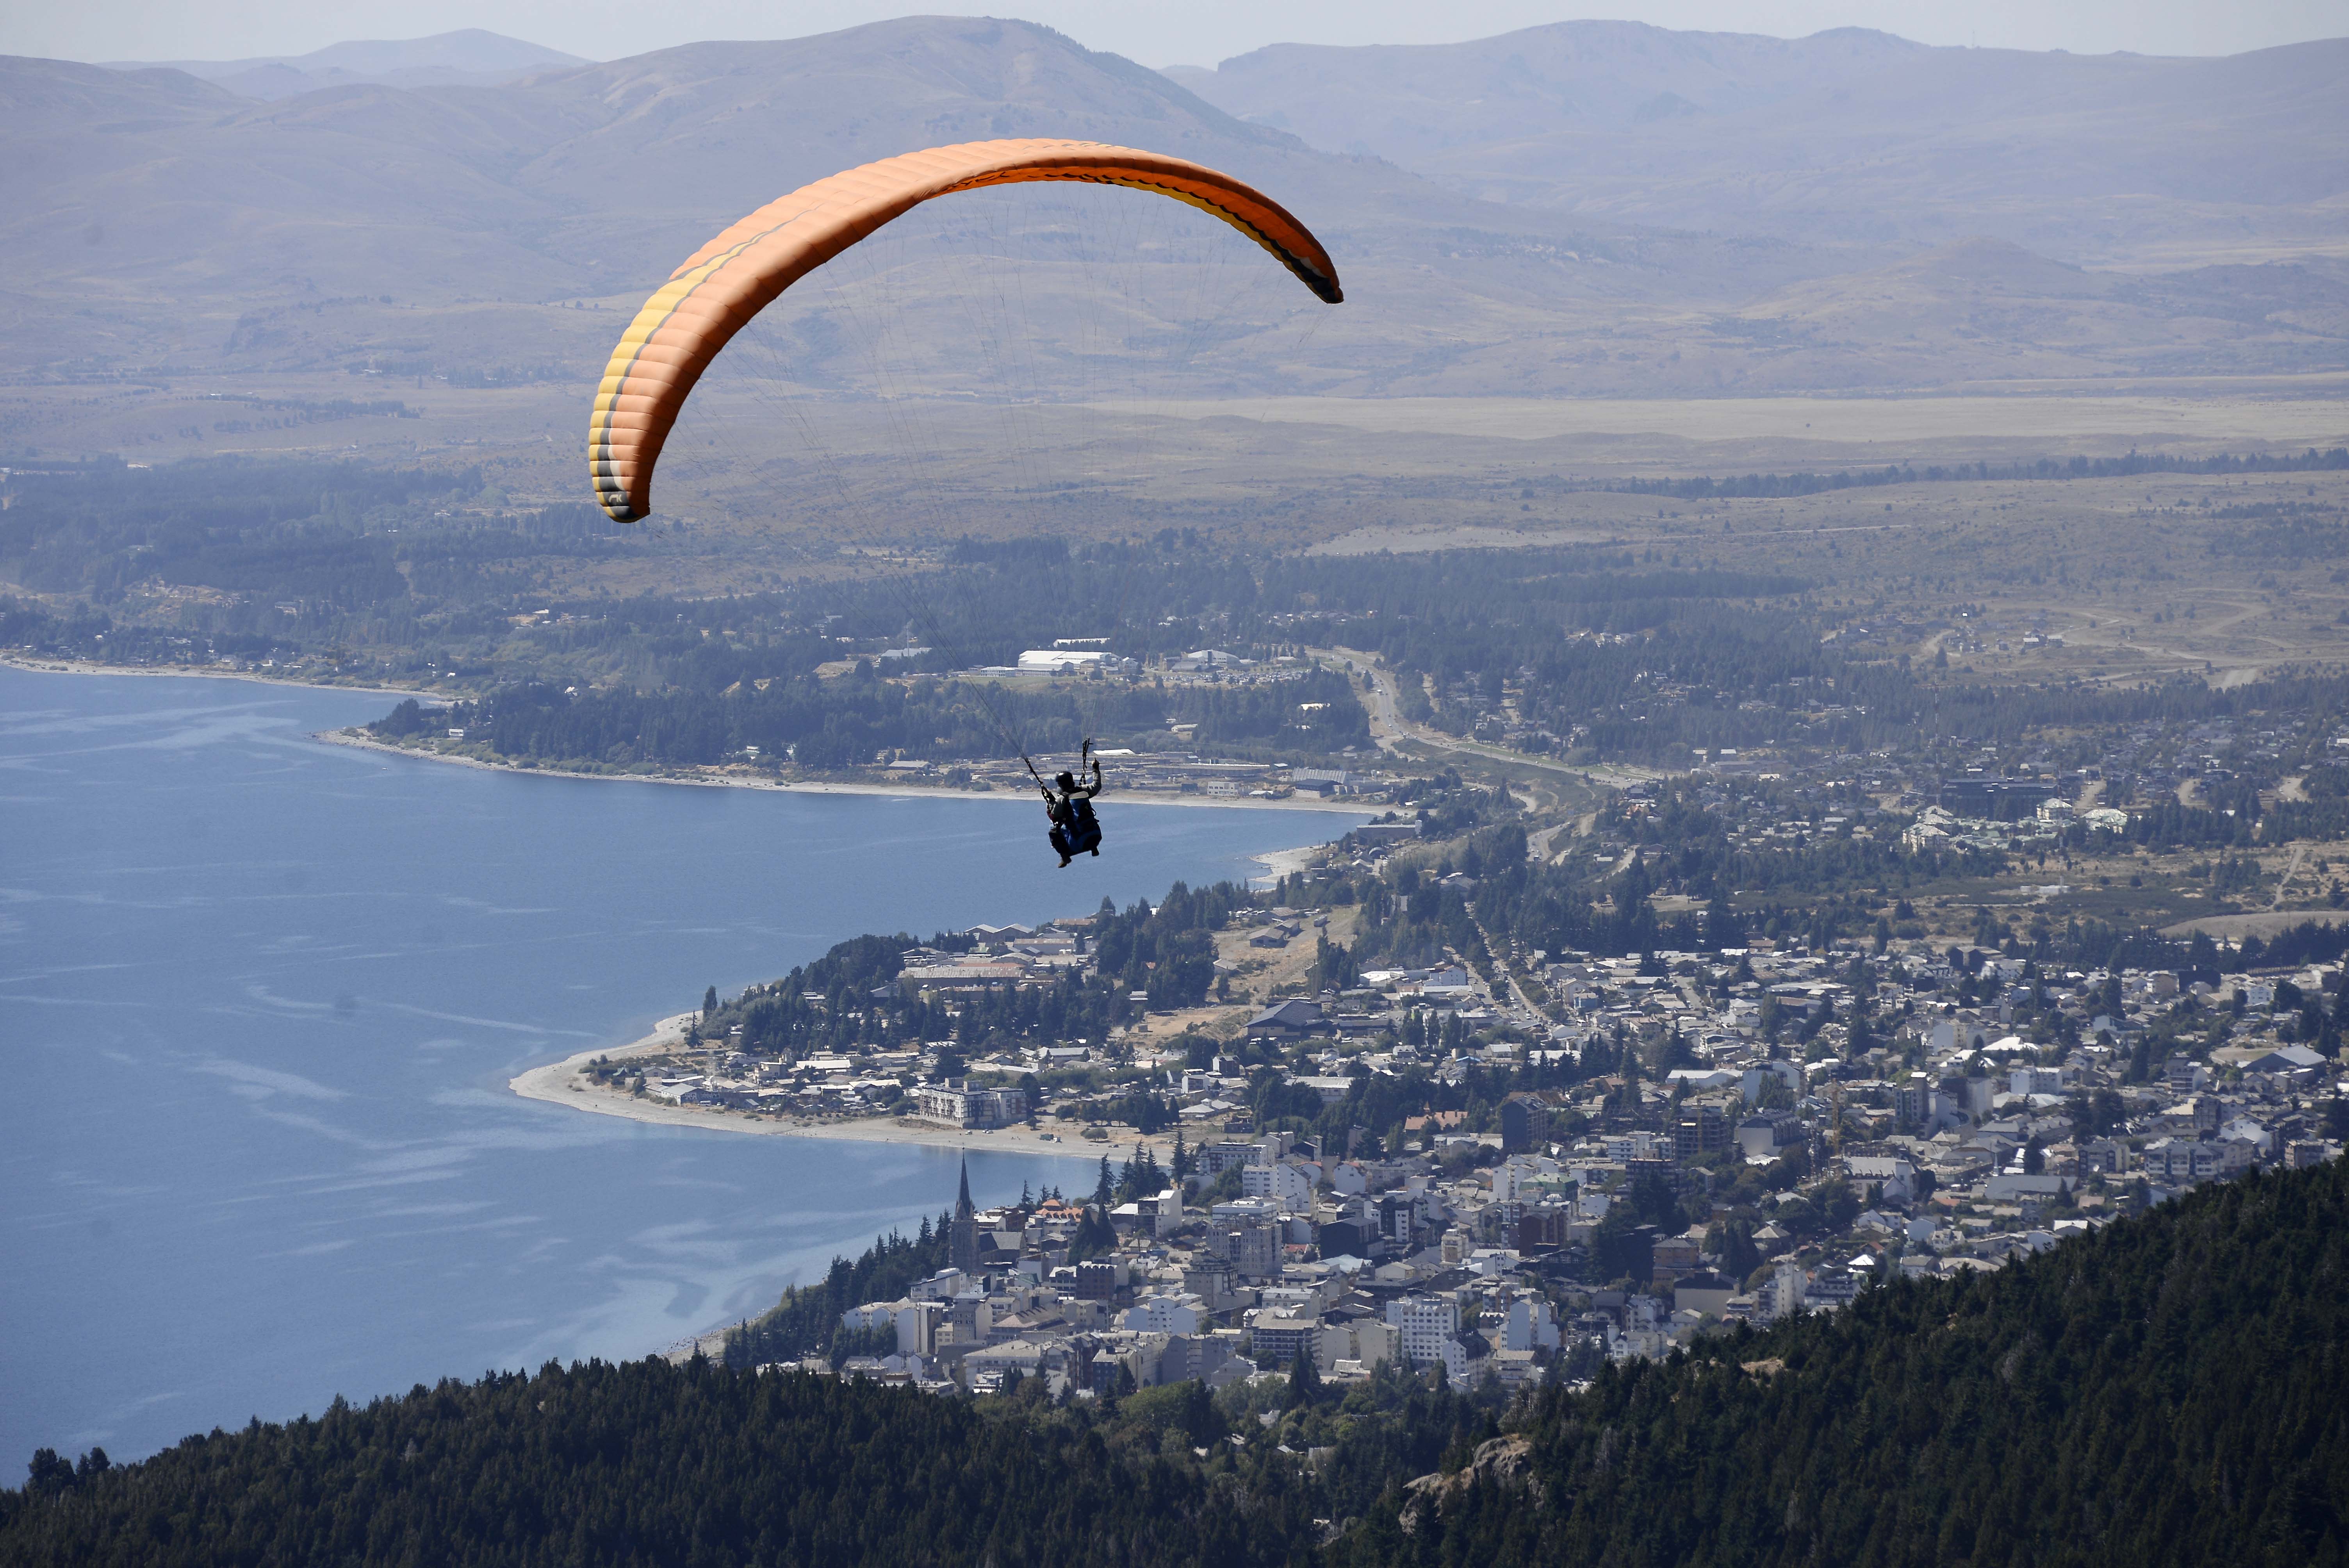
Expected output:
(165, 417)
(2219, 576)
(2278, 411)
(2098, 579)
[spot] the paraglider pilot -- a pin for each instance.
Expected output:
(1075, 829)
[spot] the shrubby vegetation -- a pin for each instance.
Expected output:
(1780, 486)
(282, 557)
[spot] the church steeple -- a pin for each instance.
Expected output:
(962, 1232)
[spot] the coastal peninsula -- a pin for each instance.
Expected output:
(1072, 1037)
(572, 1083)
(1269, 787)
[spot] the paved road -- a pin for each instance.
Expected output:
(1389, 730)
(1529, 1014)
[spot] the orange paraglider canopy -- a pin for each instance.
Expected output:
(737, 275)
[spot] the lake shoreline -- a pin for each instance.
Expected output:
(38, 666)
(553, 1082)
(350, 737)
(301, 980)
(561, 1083)
(825, 787)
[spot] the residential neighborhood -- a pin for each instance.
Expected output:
(1594, 1215)
(1514, 1094)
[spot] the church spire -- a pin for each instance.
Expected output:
(962, 1232)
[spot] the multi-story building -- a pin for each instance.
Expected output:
(1524, 1124)
(1215, 1159)
(1285, 1184)
(1787, 1290)
(1163, 1315)
(1253, 1249)
(960, 1103)
(1764, 1134)
(1701, 1130)
(2103, 1157)
(2182, 1159)
(1398, 1219)
(1543, 1227)
(1423, 1325)
(1531, 1325)
(1276, 1338)
(1672, 1257)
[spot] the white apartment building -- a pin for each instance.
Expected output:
(1285, 1185)
(1162, 1315)
(1531, 1325)
(960, 1103)
(1424, 1325)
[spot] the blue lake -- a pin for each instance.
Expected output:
(260, 997)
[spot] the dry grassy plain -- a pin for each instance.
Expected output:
(2135, 576)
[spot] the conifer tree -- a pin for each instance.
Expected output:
(1304, 1379)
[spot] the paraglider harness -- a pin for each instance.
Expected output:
(1075, 829)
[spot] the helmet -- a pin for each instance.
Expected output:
(1065, 780)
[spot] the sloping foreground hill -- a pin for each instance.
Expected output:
(647, 1463)
(2166, 1392)
(2170, 1392)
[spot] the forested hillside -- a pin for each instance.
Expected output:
(2168, 1391)
(646, 1464)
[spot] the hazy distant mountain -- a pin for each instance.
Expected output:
(150, 220)
(1409, 102)
(1844, 135)
(305, 229)
(468, 57)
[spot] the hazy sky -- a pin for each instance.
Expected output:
(1156, 32)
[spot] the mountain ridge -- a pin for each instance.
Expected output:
(160, 224)
(469, 56)
(1845, 134)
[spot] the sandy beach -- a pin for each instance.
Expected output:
(561, 1083)
(895, 791)
(17, 661)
